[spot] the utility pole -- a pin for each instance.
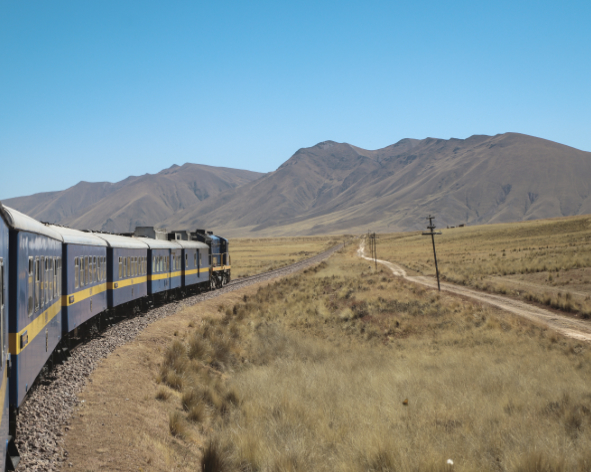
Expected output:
(432, 233)
(371, 239)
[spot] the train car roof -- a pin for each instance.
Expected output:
(191, 244)
(159, 243)
(122, 242)
(21, 222)
(74, 236)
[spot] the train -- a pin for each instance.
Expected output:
(56, 282)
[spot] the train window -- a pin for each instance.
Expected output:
(54, 277)
(84, 278)
(31, 285)
(37, 282)
(43, 280)
(128, 266)
(120, 266)
(59, 276)
(195, 259)
(136, 266)
(76, 273)
(50, 279)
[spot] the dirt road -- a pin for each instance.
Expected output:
(565, 325)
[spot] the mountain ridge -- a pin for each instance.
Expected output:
(334, 187)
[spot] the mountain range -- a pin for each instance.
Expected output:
(337, 187)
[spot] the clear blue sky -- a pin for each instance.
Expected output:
(100, 90)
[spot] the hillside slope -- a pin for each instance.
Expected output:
(337, 187)
(135, 201)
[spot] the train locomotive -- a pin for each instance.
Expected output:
(55, 281)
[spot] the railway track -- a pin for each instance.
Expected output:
(46, 414)
(287, 269)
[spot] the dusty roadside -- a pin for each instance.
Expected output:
(120, 425)
(568, 326)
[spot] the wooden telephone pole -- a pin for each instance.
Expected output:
(371, 238)
(432, 233)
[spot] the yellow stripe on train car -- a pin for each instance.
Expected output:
(32, 329)
(81, 295)
(126, 282)
(227, 267)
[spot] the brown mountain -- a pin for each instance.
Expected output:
(135, 201)
(337, 187)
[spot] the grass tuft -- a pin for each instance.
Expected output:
(162, 394)
(176, 424)
(213, 459)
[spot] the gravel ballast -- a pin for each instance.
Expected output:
(44, 417)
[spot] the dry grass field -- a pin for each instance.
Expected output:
(343, 368)
(256, 255)
(545, 261)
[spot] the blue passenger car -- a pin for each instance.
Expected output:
(84, 277)
(162, 257)
(195, 263)
(4, 304)
(127, 262)
(35, 322)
